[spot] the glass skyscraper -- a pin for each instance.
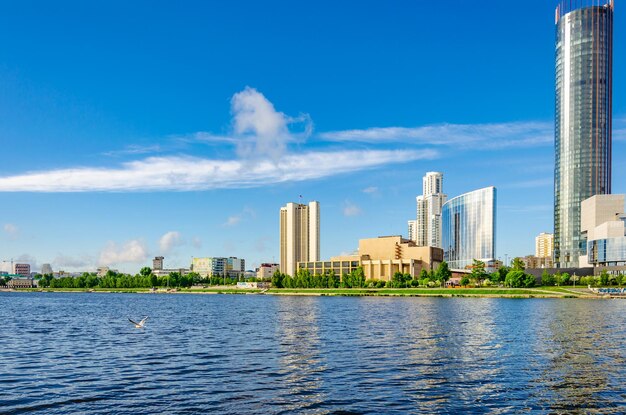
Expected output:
(584, 48)
(469, 228)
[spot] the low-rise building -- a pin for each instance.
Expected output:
(532, 261)
(266, 270)
(603, 223)
(21, 283)
(381, 258)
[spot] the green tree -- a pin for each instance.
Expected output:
(478, 273)
(547, 279)
(277, 279)
(514, 279)
(604, 278)
(464, 280)
(518, 264)
(443, 273)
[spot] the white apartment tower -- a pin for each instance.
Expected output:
(429, 204)
(299, 235)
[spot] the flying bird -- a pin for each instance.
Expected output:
(140, 324)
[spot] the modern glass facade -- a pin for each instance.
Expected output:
(607, 252)
(469, 228)
(584, 42)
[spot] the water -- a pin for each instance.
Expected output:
(77, 353)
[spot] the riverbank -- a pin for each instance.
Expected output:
(539, 292)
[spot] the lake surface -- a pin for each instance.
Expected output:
(249, 354)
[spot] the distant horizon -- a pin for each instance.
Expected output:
(180, 130)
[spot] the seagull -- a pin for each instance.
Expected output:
(140, 324)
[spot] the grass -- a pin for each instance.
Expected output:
(538, 292)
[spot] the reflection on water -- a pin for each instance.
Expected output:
(72, 353)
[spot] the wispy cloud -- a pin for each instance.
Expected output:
(133, 251)
(134, 149)
(235, 219)
(261, 135)
(11, 230)
(487, 136)
(192, 173)
(370, 190)
(350, 209)
(169, 241)
(62, 261)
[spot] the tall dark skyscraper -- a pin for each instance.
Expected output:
(584, 60)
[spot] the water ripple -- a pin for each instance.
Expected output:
(77, 353)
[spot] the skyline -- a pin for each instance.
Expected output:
(400, 99)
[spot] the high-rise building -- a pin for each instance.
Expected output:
(543, 245)
(412, 229)
(429, 204)
(469, 228)
(299, 235)
(157, 263)
(583, 121)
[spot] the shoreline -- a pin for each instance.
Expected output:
(541, 292)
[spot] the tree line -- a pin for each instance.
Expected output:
(144, 279)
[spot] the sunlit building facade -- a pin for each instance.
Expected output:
(584, 56)
(428, 223)
(299, 235)
(469, 228)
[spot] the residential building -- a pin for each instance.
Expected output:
(266, 270)
(603, 224)
(381, 258)
(533, 261)
(235, 264)
(157, 263)
(208, 266)
(46, 269)
(469, 229)
(583, 121)
(412, 227)
(543, 245)
(299, 235)
(429, 205)
(22, 269)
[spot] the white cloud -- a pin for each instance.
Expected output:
(168, 241)
(350, 209)
(133, 251)
(232, 220)
(235, 219)
(260, 130)
(134, 149)
(491, 136)
(65, 261)
(192, 173)
(370, 190)
(11, 230)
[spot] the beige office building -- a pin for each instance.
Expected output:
(381, 258)
(299, 235)
(543, 245)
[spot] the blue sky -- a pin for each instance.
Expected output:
(132, 130)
